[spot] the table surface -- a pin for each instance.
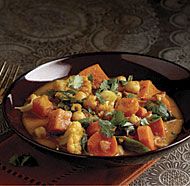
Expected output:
(35, 32)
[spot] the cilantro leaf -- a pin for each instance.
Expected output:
(84, 142)
(90, 78)
(144, 121)
(118, 118)
(100, 98)
(107, 128)
(110, 84)
(154, 117)
(75, 81)
(23, 160)
(157, 107)
(104, 86)
(86, 121)
(130, 95)
(130, 78)
(113, 84)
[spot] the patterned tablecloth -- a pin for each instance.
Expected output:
(33, 32)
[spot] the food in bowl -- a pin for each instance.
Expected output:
(93, 114)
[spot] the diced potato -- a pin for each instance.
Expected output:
(59, 120)
(41, 106)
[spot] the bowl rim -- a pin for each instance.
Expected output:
(33, 142)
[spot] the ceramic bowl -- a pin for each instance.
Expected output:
(167, 76)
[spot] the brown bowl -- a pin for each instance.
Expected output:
(172, 78)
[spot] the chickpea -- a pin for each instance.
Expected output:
(76, 107)
(104, 107)
(40, 132)
(121, 78)
(80, 95)
(90, 102)
(119, 95)
(133, 87)
(78, 115)
(160, 96)
(134, 119)
(109, 95)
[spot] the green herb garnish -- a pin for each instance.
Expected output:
(130, 95)
(130, 78)
(110, 84)
(107, 128)
(118, 119)
(154, 117)
(90, 78)
(157, 107)
(75, 82)
(23, 160)
(84, 142)
(144, 121)
(100, 98)
(86, 121)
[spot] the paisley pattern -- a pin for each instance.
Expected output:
(33, 32)
(181, 36)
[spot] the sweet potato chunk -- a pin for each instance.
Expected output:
(158, 128)
(93, 128)
(41, 106)
(97, 73)
(147, 89)
(100, 145)
(146, 136)
(59, 120)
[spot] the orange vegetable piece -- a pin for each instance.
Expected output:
(92, 128)
(146, 136)
(59, 120)
(97, 73)
(41, 106)
(158, 128)
(142, 112)
(128, 105)
(147, 89)
(100, 145)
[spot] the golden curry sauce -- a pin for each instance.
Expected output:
(92, 114)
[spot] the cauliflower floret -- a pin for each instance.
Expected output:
(72, 138)
(28, 106)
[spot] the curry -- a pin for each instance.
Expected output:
(91, 113)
